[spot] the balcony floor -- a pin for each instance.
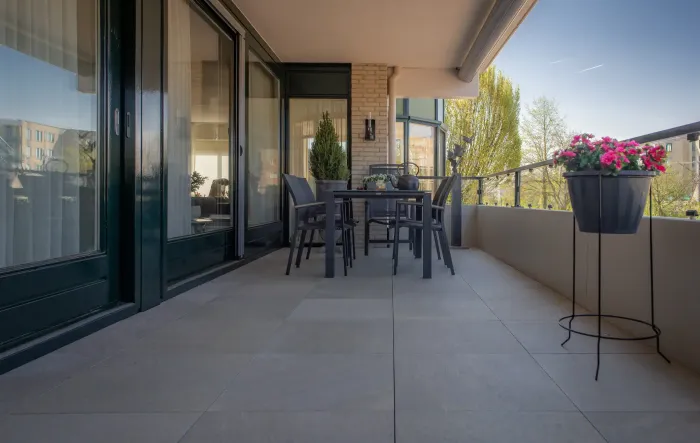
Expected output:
(256, 356)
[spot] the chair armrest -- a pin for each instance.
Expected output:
(314, 204)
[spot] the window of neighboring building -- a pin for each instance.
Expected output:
(669, 147)
(29, 134)
(27, 151)
(50, 137)
(39, 153)
(39, 136)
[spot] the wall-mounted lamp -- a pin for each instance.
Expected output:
(370, 126)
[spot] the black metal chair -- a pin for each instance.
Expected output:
(383, 211)
(309, 215)
(437, 223)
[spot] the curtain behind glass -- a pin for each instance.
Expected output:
(263, 137)
(48, 132)
(199, 109)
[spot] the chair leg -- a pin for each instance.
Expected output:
(437, 244)
(366, 238)
(410, 239)
(352, 234)
(395, 254)
(388, 241)
(446, 251)
(292, 243)
(301, 247)
(348, 248)
(311, 241)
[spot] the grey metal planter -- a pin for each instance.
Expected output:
(323, 186)
(624, 198)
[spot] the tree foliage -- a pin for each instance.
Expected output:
(543, 132)
(327, 159)
(492, 119)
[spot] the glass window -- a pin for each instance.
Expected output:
(421, 148)
(422, 108)
(669, 147)
(304, 115)
(399, 106)
(48, 207)
(441, 110)
(199, 111)
(400, 144)
(263, 155)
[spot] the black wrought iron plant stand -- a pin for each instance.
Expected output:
(656, 332)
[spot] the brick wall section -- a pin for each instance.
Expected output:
(369, 94)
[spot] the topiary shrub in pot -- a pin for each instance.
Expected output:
(609, 181)
(328, 161)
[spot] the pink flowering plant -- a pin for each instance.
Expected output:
(607, 154)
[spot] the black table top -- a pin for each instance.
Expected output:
(378, 193)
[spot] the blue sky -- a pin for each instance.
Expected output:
(33, 90)
(622, 68)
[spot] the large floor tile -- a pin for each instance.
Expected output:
(334, 337)
(627, 382)
(155, 382)
(496, 382)
(647, 427)
(445, 336)
(547, 308)
(204, 334)
(436, 305)
(254, 305)
(343, 310)
(494, 427)
(293, 427)
(103, 428)
(311, 383)
(545, 337)
(413, 283)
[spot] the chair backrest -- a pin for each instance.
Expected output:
(301, 193)
(443, 190)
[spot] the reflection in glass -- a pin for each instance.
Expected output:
(304, 115)
(48, 131)
(400, 142)
(263, 104)
(421, 148)
(198, 111)
(422, 107)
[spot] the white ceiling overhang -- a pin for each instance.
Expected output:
(427, 39)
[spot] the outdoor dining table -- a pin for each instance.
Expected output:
(422, 246)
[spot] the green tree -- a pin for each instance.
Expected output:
(492, 119)
(327, 159)
(543, 131)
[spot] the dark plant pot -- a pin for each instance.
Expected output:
(371, 186)
(624, 198)
(324, 186)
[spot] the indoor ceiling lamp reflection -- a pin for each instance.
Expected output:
(15, 182)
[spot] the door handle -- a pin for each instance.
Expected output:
(240, 151)
(116, 121)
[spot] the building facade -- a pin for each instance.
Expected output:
(143, 142)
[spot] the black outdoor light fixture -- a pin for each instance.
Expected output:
(370, 134)
(691, 214)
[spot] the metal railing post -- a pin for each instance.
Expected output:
(456, 214)
(480, 192)
(517, 189)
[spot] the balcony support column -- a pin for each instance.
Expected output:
(391, 151)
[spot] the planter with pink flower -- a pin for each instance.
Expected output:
(609, 181)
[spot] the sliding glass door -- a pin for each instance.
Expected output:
(59, 159)
(200, 167)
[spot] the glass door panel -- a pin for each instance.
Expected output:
(200, 79)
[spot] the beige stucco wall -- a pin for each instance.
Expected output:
(539, 244)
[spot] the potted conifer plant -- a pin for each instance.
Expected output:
(618, 172)
(328, 161)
